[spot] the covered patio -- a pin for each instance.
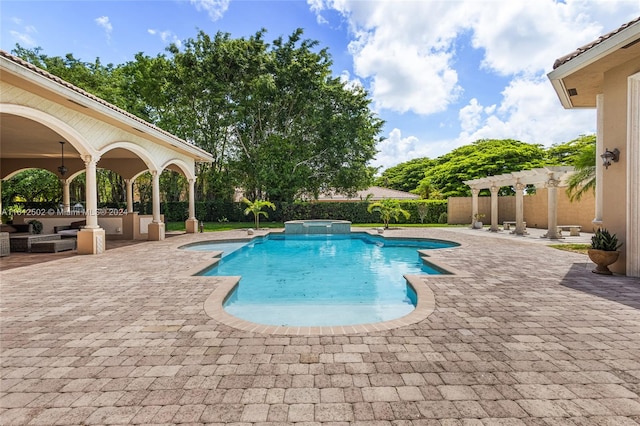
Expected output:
(50, 124)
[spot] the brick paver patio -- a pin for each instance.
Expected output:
(527, 336)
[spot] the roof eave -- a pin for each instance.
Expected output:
(601, 50)
(110, 111)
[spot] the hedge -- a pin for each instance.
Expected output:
(219, 211)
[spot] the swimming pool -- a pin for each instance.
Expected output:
(321, 280)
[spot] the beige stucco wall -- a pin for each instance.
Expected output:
(614, 179)
(535, 209)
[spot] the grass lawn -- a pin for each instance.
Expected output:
(576, 248)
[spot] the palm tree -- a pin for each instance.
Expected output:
(388, 209)
(584, 178)
(256, 207)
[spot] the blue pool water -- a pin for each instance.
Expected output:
(321, 280)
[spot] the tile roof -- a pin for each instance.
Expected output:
(579, 51)
(27, 65)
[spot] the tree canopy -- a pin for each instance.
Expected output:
(275, 120)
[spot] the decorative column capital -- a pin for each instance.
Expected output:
(494, 189)
(520, 186)
(88, 158)
(552, 183)
(475, 191)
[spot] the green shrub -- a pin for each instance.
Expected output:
(444, 217)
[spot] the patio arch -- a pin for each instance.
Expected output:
(97, 132)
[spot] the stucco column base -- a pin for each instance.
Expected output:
(91, 241)
(192, 226)
(156, 231)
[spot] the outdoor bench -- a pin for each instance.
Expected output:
(574, 230)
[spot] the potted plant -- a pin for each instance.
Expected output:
(603, 251)
(477, 222)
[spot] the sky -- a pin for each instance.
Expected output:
(440, 73)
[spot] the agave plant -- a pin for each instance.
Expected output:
(603, 240)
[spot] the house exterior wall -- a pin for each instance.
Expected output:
(535, 209)
(614, 179)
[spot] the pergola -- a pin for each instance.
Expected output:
(38, 111)
(549, 177)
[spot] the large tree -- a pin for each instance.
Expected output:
(405, 176)
(485, 157)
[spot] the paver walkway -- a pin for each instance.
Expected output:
(529, 336)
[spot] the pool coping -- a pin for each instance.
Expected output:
(224, 285)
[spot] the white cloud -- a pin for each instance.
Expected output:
(23, 39)
(104, 22)
(167, 37)
(215, 8)
(410, 55)
(397, 149)
(529, 112)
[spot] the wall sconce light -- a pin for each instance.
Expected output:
(62, 169)
(610, 156)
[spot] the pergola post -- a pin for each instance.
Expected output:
(520, 228)
(91, 238)
(474, 204)
(156, 227)
(192, 222)
(552, 196)
(494, 208)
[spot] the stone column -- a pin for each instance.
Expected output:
(474, 204)
(494, 208)
(156, 227)
(552, 196)
(520, 228)
(66, 197)
(192, 222)
(129, 183)
(91, 238)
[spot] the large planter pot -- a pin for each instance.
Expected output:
(603, 259)
(477, 225)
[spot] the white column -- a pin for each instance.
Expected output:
(191, 224)
(474, 204)
(192, 198)
(91, 238)
(552, 196)
(520, 228)
(599, 169)
(494, 208)
(91, 191)
(129, 183)
(156, 196)
(66, 197)
(156, 227)
(1, 201)
(632, 243)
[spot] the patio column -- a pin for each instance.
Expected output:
(129, 183)
(520, 228)
(494, 208)
(474, 204)
(599, 169)
(552, 196)
(91, 238)
(192, 222)
(156, 227)
(632, 243)
(66, 203)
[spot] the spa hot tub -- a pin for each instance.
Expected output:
(317, 226)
